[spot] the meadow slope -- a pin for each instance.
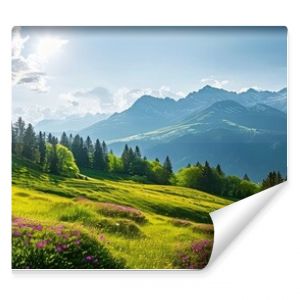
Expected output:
(144, 225)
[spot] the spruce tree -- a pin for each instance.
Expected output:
(105, 156)
(53, 163)
(42, 148)
(246, 177)
(64, 140)
(19, 131)
(29, 143)
(77, 149)
(98, 162)
(168, 166)
(125, 158)
(219, 170)
(137, 152)
(90, 151)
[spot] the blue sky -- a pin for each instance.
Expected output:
(62, 71)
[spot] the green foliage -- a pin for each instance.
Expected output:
(115, 164)
(272, 179)
(132, 219)
(213, 180)
(36, 246)
(60, 160)
(189, 177)
(30, 150)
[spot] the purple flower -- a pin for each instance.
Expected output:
(38, 227)
(199, 246)
(77, 242)
(59, 248)
(89, 258)
(41, 244)
(16, 233)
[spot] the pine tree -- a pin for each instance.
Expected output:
(77, 150)
(13, 140)
(19, 131)
(219, 170)
(64, 140)
(90, 151)
(105, 156)
(137, 152)
(168, 166)
(42, 148)
(53, 163)
(272, 179)
(98, 160)
(198, 164)
(49, 138)
(125, 158)
(246, 177)
(29, 143)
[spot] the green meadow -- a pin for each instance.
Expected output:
(142, 226)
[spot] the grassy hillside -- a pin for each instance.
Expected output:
(136, 225)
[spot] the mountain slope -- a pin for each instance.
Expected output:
(150, 113)
(126, 217)
(146, 114)
(73, 123)
(243, 139)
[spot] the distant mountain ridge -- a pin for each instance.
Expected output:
(242, 139)
(72, 123)
(150, 113)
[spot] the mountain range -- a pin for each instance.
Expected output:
(242, 139)
(70, 124)
(149, 113)
(245, 132)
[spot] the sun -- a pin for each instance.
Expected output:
(48, 46)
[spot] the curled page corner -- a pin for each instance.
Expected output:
(231, 220)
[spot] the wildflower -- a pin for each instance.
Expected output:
(59, 248)
(77, 242)
(89, 258)
(16, 233)
(101, 237)
(38, 228)
(41, 244)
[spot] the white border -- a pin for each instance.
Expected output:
(263, 262)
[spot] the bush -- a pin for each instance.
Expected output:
(122, 211)
(35, 246)
(120, 227)
(194, 257)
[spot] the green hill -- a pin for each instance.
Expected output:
(135, 225)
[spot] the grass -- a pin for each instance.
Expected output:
(144, 225)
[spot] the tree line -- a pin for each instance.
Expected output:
(71, 154)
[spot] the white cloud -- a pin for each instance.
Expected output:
(84, 101)
(214, 82)
(29, 71)
(101, 100)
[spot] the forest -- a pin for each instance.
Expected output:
(70, 155)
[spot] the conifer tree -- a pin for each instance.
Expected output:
(29, 143)
(168, 166)
(219, 170)
(19, 130)
(64, 140)
(53, 159)
(42, 148)
(246, 177)
(98, 161)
